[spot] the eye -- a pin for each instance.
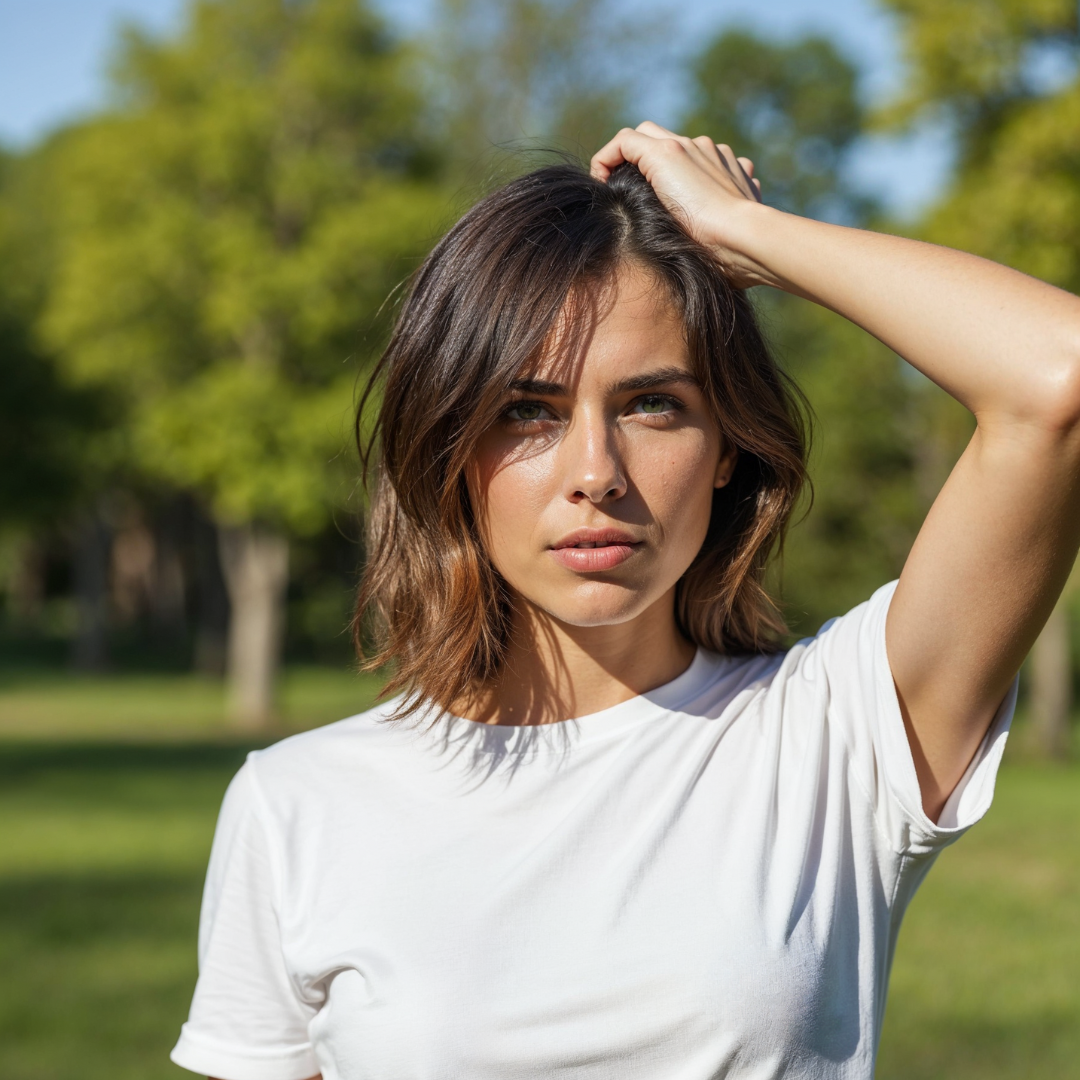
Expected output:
(527, 412)
(656, 405)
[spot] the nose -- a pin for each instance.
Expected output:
(592, 466)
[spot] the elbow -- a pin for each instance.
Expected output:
(1060, 396)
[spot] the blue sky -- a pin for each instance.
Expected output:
(53, 52)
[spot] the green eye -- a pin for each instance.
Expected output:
(526, 410)
(654, 405)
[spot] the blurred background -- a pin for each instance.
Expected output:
(207, 208)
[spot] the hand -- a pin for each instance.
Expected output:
(702, 183)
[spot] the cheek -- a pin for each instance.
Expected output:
(510, 493)
(675, 480)
(521, 504)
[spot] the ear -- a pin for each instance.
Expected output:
(725, 467)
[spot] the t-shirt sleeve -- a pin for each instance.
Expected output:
(247, 1021)
(863, 709)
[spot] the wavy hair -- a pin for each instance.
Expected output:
(482, 306)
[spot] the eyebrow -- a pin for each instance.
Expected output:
(644, 381)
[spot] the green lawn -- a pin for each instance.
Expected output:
(987, 975)
(47, 704)
(103, 844)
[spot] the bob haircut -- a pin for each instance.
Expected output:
(484, 305)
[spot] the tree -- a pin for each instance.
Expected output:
(55, 447)
(971, 63)
(527, 74)
(793, 108)
(790, 107)
(231, 226)
(1006, 75)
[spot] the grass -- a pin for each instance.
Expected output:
(104, 839)
(46, 704)
(102, 851)
(987, 975)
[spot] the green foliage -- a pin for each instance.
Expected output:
(521, 74)
(241, 432)
(867, 500)
(790, 107)
(1015, 197)
(51, 435)
(44, 431)
(231, 229)
(793, 108)
(1020, 203)
(971, 61)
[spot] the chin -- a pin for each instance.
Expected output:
(597, 604)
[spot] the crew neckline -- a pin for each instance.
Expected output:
(590, 727)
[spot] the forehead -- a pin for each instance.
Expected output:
(623, 325)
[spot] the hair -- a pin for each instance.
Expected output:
(483, 305)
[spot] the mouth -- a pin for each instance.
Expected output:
(592, 550)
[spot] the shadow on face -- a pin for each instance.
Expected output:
(593, 488)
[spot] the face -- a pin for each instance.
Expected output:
(593, 490)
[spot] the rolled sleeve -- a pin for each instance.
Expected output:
(247, 1021)
(865, 708)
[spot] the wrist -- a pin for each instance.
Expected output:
(741, 241)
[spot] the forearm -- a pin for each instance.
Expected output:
(994, 551)
(1004, 344)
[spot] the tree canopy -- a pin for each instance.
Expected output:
(514, 75)
(231, 230)
(792, 107)
(54, 441)
(972, 62)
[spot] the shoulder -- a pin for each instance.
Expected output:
(853, 640)
(303, 764)
(845, 657)
(863, 618)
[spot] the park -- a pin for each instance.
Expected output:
(196, 279)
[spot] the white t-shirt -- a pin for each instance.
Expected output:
(705, 881)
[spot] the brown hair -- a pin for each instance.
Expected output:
(482, 306)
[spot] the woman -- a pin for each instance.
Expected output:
(608, 828)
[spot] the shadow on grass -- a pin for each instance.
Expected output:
(99, 961)
(953, 1047)
(98, 973)
(20, 760)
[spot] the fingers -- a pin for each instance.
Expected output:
(632, 144)
(730, 160)
(647, 127)
(748, 168)
(742, 171)
(628, 145)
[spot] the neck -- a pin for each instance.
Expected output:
(555, 671)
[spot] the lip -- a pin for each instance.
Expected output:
(614, 546)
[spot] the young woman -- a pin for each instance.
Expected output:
(608, 828)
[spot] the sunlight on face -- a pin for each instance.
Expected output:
(594, 488)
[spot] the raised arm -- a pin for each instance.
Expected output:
(1001, 537)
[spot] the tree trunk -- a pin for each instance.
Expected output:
(1051, 685)
(168, 611)
(255, 561)
(91, 581)
(211, 598)
(26, 586)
